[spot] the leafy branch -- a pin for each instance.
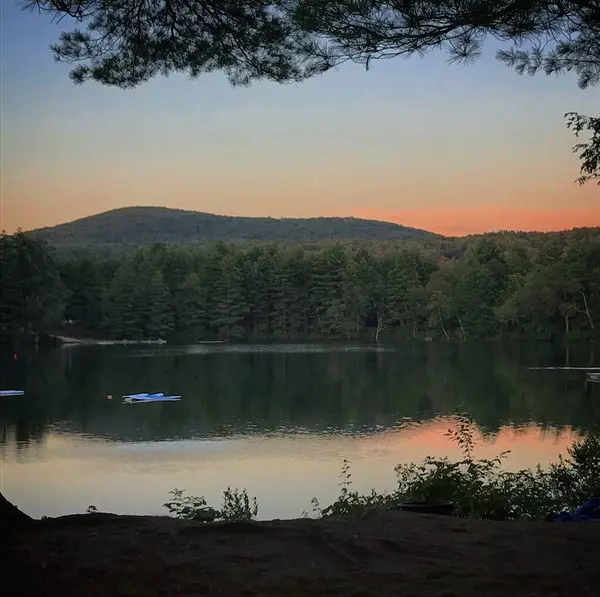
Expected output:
(588, 152)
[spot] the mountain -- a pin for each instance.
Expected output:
(147, 225)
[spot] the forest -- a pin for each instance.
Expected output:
(518, 285)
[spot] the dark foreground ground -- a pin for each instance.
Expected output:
(383, 554)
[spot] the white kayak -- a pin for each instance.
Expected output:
(12, 392)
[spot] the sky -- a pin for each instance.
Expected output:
(452, 149)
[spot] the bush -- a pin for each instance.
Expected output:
(480, 488)
(237, 505)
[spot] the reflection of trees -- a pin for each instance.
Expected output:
(227, 393)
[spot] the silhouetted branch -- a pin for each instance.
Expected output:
(589, 152)
(127, 42)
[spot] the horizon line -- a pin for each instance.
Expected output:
(389, 217)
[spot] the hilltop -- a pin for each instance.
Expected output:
(147, 225)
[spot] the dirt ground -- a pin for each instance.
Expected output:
(390, 553)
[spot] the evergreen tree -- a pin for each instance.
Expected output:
(159, 320)
(32, 296)
(403, 284)
(468, 288)
(122, 317)
(230, 306)
(83, 276)
(191, 314)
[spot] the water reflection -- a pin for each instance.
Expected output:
(231, 392)
(275, 419)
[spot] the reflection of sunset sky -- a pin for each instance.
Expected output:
(451, 149)
(68, 472)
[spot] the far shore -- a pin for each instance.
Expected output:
(70, 341)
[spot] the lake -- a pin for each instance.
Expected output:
(275, 419)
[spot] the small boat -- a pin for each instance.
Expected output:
(12, 393)
(145, 397)
(142, 400)
(593, 377)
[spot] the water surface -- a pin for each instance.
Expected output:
(276, 419)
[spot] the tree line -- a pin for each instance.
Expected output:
(521, 285)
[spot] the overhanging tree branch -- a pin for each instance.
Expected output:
(127, 42)
(589, 152)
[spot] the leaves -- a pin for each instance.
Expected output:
(588, 152)
(129, 42)
(481, 488)
(237, 505)
(535, 286)
(32, 295)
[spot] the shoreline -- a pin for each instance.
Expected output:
(71, 341)
(380, 553)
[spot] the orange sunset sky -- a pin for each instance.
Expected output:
(452, 149)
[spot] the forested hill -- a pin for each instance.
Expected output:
(137, 226)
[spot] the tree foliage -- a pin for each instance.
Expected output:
(135, 226)
(127, 42)
(588, 152)
(482, 488)
(524, 285)
(31, 292)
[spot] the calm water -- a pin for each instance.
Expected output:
(276, 419)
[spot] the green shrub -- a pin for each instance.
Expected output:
(480, 488)
(189, 507)
(237, 505)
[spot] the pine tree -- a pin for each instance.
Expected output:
(326, 286)
(191, 314)
(32, 296)
(159, 321)
(229, 299)
(403, 282)
(122, 318)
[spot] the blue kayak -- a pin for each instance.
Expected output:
(146, 397)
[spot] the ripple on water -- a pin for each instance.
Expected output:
(224, 348)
